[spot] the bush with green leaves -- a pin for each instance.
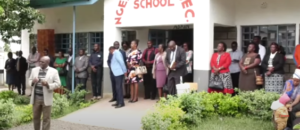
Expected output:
(190, 109)
(78, 96)
(25, 113)
(258, 103)
(21, 100)
(5, 95)
(7, 108)
(60, 103)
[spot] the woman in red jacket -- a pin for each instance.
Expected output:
(220, 62)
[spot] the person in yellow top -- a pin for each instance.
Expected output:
(297, 56)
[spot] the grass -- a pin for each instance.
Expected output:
(234, 123)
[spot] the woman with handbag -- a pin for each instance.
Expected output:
(220, 80)
(249, 64)
(160, 70)
(134, 59)
(273, 64)
(60, 65)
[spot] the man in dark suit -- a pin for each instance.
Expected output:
(113, 82)
(21, 67)
(175, 60)
(69, 69)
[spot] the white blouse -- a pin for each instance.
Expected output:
(270, 62)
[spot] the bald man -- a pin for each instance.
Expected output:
(175, 60)
(43, 80)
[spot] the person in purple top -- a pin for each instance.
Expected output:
(293, 91)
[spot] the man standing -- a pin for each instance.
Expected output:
(22, 67)
(175, 60)
(46, 53)
(69, 69)
(262, 49)
(96, 63)
(127, 51)
(149, 82)
(118, 69)
(236, 56)
(43, 80)
(81, 66)
(117, 46)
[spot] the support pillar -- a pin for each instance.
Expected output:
(110, 35)
(203, 44)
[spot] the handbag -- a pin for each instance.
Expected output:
(140, 70)
(62, 71)
(216, 83)
(165, 87)
(259, 79)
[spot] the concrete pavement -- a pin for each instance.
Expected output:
(102, 114)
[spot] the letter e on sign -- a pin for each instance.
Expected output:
(122, 4)
(187, 3)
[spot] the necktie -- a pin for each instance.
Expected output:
(18, 64)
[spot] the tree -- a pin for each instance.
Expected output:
(17, 15)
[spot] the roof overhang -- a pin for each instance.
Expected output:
(38, 4)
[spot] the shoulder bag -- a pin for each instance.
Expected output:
(259, 79)
(216, 83)
(140, 70)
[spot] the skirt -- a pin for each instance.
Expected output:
(10, 79)
(227, 83)
(161, 78)
(274, 83)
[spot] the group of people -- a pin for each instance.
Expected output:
(164, 67)
(239, 70)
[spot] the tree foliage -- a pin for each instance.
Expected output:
(17, 15)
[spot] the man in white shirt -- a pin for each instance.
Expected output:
(262, 49)
(236, 56)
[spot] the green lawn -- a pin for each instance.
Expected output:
(232, 123)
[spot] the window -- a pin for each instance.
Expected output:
(157, 37)
(81, 42)
(63, 41)
(84, 40)
(96, 38)
(32, 40)
(128, 36)
(284, 35)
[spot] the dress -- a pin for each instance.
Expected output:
(160, 73)
(134, 58)
(10, 71)
(247, 82)
(63, 78)
(273, 82)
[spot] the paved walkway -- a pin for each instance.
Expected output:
(102, 114)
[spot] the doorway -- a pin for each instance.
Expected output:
(182, 36)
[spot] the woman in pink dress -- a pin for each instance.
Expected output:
(160, 69)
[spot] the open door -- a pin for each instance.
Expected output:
(158, 37)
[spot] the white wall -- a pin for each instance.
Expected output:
(223, 12)
(89, 18)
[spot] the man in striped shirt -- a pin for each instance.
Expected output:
(43, 80)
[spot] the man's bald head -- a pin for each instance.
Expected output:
(44, 62)
(172, 45)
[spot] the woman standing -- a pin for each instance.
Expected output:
(160, 69)
(220, 62)
(273, 64)
(133, 61)
(189, 63)
(10, 67)
(60, 65)
(249, 65)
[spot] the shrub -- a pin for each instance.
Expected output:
(259, 103)
(191, 105)
(77, 97)
(6, 113)
(60, 103)
(168, 116)
(21, 100)
(26, 113)
(5, 95)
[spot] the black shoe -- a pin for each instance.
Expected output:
(114, 105)
(146, 98)
(135, 101)
(112, 100)
(119, 106)
(153, 98)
